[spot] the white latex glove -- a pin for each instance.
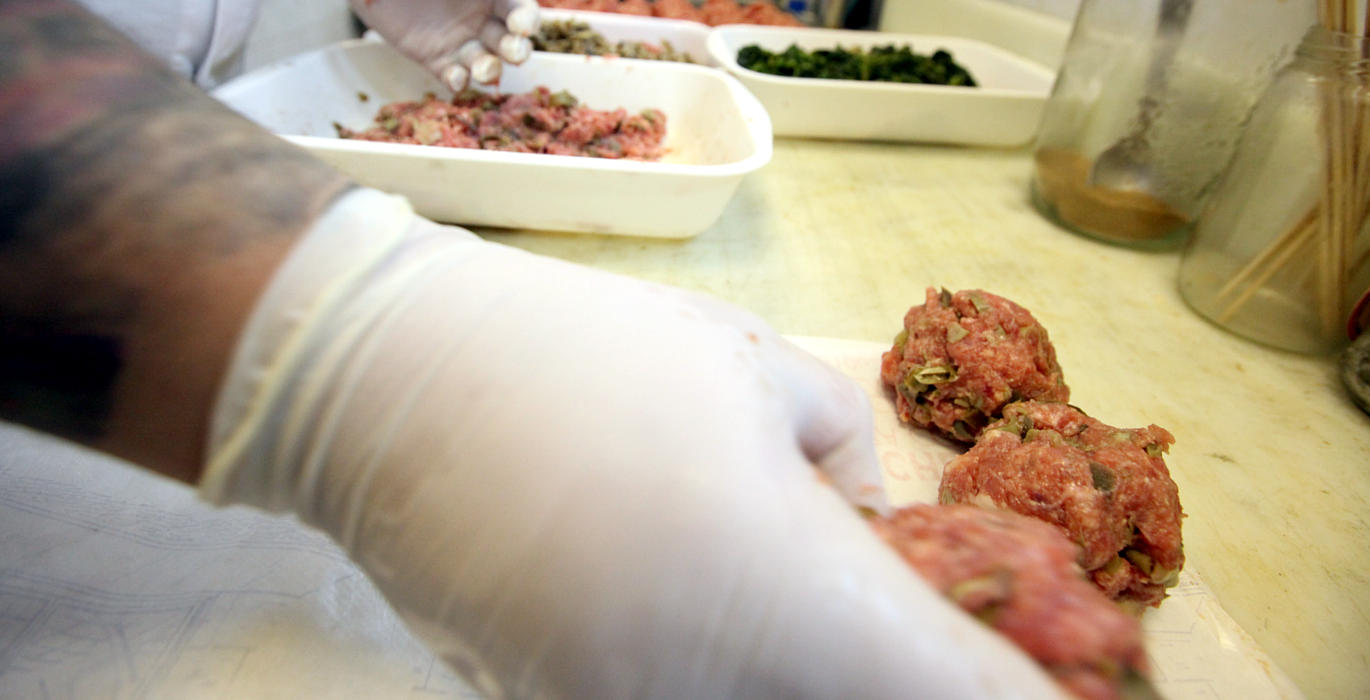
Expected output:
(457, 40)
(577, 485)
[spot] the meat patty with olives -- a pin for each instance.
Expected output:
(1108, 488)
(1019, 576)
(962, 357)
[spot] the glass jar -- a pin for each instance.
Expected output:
(1280, 253)
(1147, 108)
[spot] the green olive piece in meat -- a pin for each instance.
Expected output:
(956, 332)
(983, 596)
(962, 431)
(563, 99)
(979, 301)
(931, 375)
(1104, 479)
(1141, 560)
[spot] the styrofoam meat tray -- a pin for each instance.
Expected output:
(716, 133)
(686, 37)
(1003, 110)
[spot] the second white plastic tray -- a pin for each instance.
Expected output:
(1002, 111)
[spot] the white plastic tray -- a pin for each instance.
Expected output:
(1002, 111)
(687, 37)
(716, 133)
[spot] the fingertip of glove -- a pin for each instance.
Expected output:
(455, 77)
(485, 69)
(522, 20)
(515, 49)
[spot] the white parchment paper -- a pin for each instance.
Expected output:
(1196, 650)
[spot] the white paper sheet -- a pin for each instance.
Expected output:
(1195, 649)
(117, 584)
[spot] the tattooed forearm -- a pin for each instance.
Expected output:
(138, 220)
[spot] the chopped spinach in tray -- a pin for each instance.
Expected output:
(897, 64)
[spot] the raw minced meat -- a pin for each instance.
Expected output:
(711, 12)
(720, 12)
(1019, 575)
(1107, 488)
(540, 121)
(962, 357)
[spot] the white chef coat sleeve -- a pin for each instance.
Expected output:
(200, 39)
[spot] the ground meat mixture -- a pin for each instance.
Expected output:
(710, 12)
(1107, 488)
(540, 121)
(962, 357)
(1019, 576)
(570, 36)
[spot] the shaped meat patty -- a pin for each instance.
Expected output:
(1107, 488)
(1019, 576)
(962, 357)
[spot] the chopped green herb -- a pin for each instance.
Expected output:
(895, 64)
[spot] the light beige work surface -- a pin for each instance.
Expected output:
(838, 239)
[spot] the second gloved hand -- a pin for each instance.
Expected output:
(574, 484)
(456, 40)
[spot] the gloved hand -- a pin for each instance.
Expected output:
(456, 40)
(574, 484)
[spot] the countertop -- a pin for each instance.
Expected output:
(839, 239)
